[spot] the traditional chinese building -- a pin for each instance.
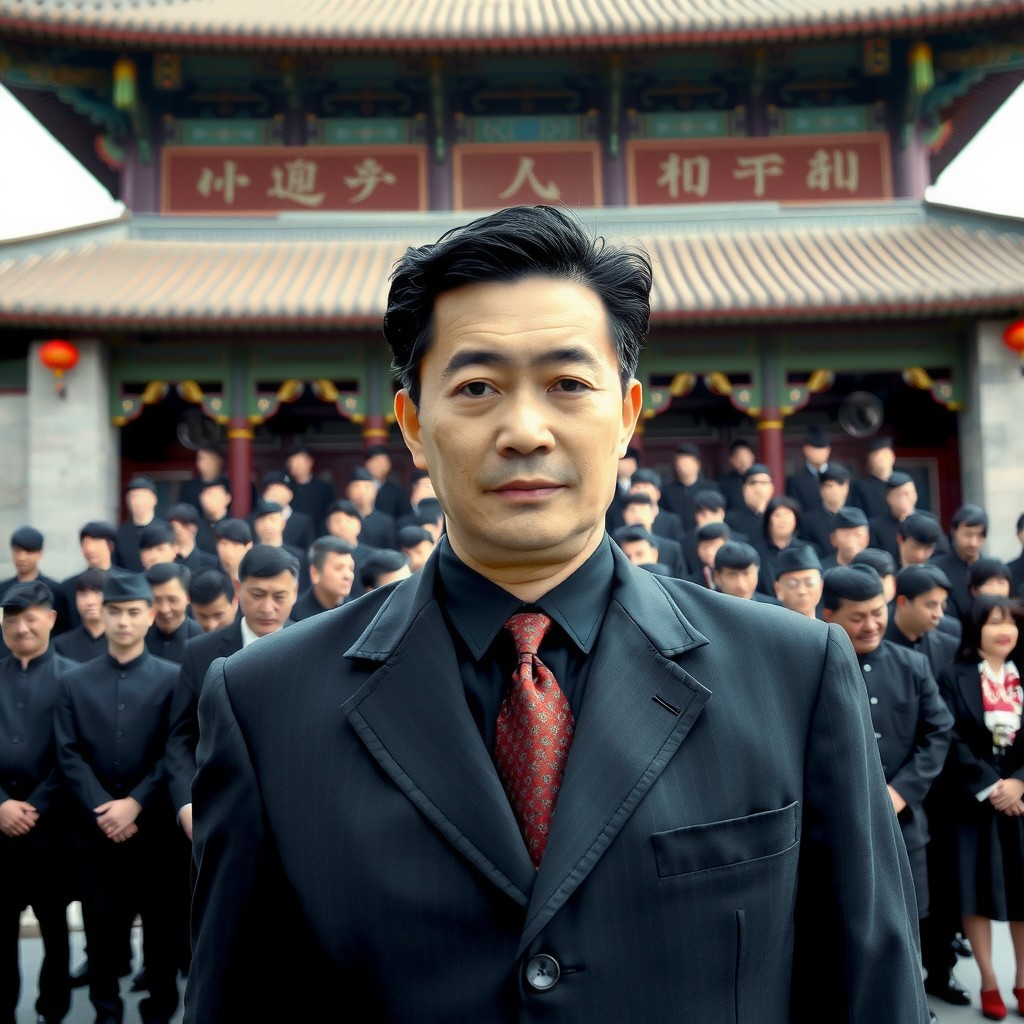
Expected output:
(277, 159)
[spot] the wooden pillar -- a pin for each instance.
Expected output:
(240, 466)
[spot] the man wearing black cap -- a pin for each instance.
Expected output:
(707, 540)
(33, 813)
(912, 724)
(420, 488)
(678, 495)
(918, 538)
(805, 483)
(638, 509)
(416, 544)
(666, 523)
(156, 545)
(850, 535)
(311, 496)
(140, 497)
(332, 571)
(299, 529)
(173, 627)
(26, 554)
(122, 735)
(708, 507)
(392, 498)
(268, 528)
(869, 491)
(833, 492)
(234, 538)
(378, 527)
(641, 546)
(901, 501)
(967, 535)
(730, 483)
(737, 567)
(758, 488)
(215, 505)
(798, 580)
(184, 520)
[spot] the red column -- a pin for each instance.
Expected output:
(375, 430)
(769, 427)
(240, 466)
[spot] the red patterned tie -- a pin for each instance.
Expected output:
(534, 731)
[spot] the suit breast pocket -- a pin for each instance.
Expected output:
(719, 844)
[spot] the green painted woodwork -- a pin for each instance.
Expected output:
(828, 120)
(364, 131)
(539, 128)
(699, 124)
(242, 131)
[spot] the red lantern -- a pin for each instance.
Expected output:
(59, 356)
(1013, 337)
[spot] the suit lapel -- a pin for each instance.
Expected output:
(413, 718)
(969, 681)
(639, 707)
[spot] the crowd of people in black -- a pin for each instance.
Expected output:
(102, 671)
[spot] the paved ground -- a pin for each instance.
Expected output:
(81, 1011)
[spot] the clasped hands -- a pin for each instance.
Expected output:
(116, 818)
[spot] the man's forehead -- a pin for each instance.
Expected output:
(125, 605)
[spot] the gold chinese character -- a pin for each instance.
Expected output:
(759, 168)
(525, 175)
(296, 182)
(369, 174)
(210, 182)
(687, 175)
(841, 170)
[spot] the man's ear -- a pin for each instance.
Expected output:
(826, 614)
(408, 418)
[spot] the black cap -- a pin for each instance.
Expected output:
(20, 596)
(898, 479)
(625, 534)
(100, 530)
(410, 536)
(183, 512)
(712, 531)
(833, 471)
(632, 453)
(155, 534)
(278, 476)
(140, 483)
(375, 449)
(848, 518)
(685, 448)
(858, 581)
(817, 437)
(646, 476)
(757, 469)
(878, 443)
(707, 499)
(131, 586)
(28, 538)
(236, 530)
(264, 508)
(797, 558)
(922, 527)
(360, 473)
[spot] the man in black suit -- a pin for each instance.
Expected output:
(172, 627)
(639, 510)
(678, 495)
(268, 528)
(912, 724)
(730, 483)
(86, 640)
(140, 497)
(869, 491)
(97, 541)
(213, 599)
(665, 523)
(758, 488)
(901, 501)
(312, 495)
(804, 483)
(392, 498)
(299, 529)
(378, 528)
(694, 856)
(817, 523)
(34, 863)
(26, 556)
(184, 520)
(737, 568)
(210, 466)
(918, 538)
(967, 535)
(332, 571)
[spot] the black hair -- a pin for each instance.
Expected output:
(625, 534)
(708, 499)
(922, 527)
(734, 554)
(164, 572)
(327, 545)
(264, 561)
(985, 569)
(712, 531)
(429, 511)
(854, 582)
(977, 615)
(914, 580)
(91, 579)
(410, 536)
(970, 515)
(509, 246)
(209, 584)
(154, 535)
(637, 498)
(345, 506)
(881, 561)
(781, 501)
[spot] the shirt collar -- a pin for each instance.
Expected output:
(248, 636)
(478, 608)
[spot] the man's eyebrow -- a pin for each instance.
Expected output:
(491, 357)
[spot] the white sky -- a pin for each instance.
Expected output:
(43, 188)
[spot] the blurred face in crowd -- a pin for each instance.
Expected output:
(816, 456)
(184, 536)
(639, 552)
(741, 458)
(171, 602)
(209, 464)
(834, 494)
(916, 616)
(230, 553)
(156, 554)
(421, 488)
(215, 614)
(269, 528)
(999, 636)
(627, 467)
(141, 504)
(782, 525)
(709, 515)
(96, 551)
(280, 494)
(880, 462)
(913, 552)
(26, 563)
(89, 604)
(267, 601)
(707, 549)
(968, 541)
(800, 590)
(333, 583)
(864, 621)
(758, 491)
(215, 500)
(344, 526)
(902, 500)
(848, 542)
(418, 554)
(300, 467)
(379, 466)
(126, 624)
(362, 494)
(27, 632)
(687, 468)
(738, 582)
(998, 585)
(638, 514)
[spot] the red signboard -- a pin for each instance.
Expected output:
(790, 169)
(492, 176)
(250, 179)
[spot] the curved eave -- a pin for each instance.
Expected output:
(211, 37)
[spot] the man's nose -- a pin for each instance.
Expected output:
(527, 424)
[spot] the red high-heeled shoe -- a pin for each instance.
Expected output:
(1018, 994)
(992, 1005)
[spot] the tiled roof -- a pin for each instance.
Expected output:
(480, 24)
(736, 263)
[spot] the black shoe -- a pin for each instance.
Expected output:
(140, 983)
(962, 948)
(949, 990)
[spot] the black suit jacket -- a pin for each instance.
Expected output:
(805, 486)
(344, 791)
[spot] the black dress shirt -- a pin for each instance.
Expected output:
(172, 645)
(80, 645)
(476, 610)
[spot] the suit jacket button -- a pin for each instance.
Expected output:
(542, 972)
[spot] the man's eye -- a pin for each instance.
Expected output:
(475, 388)
(572, 386)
